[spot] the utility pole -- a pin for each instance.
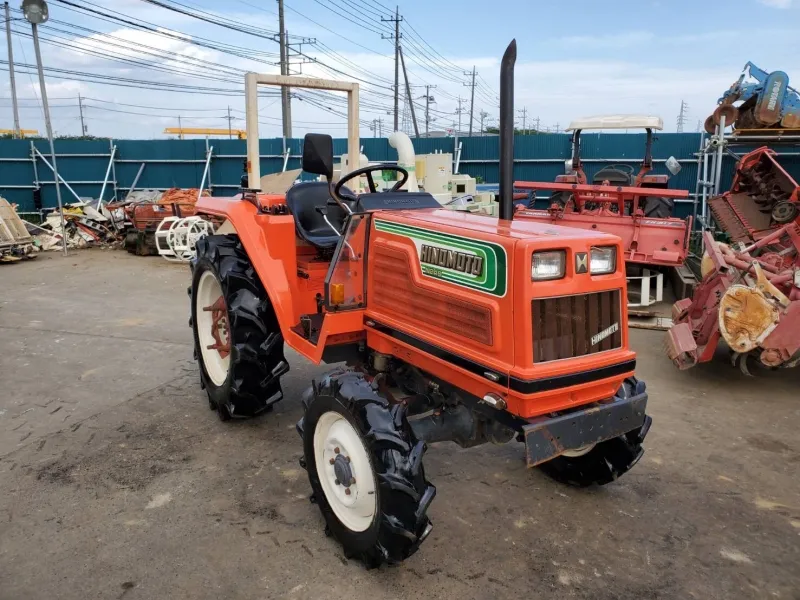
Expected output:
(683, 116)
(396, 20)
(36, 16)
(286, 100)
(524, 112)
(230, 129)
(428, 101)
(408, 94)
(180, 128)
(380, 127)
(11, 74)
(483, 114)
(460, 110)
(536, 123)
(80, 110)
(471, 99)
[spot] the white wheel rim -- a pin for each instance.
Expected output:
(216, 363)
(357, 509)
(578, 451)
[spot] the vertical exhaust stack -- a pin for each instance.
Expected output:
(507, 131)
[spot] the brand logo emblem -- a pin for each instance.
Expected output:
(452, 259)
(581, 262)
(467, 262)
(773, 97)
(596, 339)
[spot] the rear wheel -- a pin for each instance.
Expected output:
(365, 469)
(599, 464)
(658, 208)
(238, 342)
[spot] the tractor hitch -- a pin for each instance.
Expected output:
(549, 437)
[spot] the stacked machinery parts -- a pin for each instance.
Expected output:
(145, 217)
(15, 241)
(750, 292)
(766, 103)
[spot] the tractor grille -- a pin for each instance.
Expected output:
(565, 327)
(396, 294)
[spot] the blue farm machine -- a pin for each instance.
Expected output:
(766, 103)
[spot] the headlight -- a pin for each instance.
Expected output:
(603, 260)
(548, 265)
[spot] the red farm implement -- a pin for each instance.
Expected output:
(762, 198)
(750, 297)
(618, 210)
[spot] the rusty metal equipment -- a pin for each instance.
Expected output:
(762, 198)
(145, 217)
(749, 297)
(618, 210)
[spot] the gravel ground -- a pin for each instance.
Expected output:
(116, 481)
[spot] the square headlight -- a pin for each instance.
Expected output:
(603, 260)
(548, 265)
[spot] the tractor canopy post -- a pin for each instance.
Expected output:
(647, 161)
(506, 192)
(576, 156)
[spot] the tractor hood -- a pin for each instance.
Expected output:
(517, 229)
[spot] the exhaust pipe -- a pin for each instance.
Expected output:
(507, 131)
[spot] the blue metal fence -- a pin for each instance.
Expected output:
(180, 163)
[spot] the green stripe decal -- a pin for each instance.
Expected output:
(470, 263)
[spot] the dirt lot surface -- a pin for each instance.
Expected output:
(116, 481)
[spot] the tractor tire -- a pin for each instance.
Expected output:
(242, 380)
(349, 430)
(604, 462)
(658, 208)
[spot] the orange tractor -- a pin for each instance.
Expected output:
(451, 326)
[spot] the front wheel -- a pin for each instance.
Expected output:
(365, 468)
(602, 463)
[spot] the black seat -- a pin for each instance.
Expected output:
(613, 176)
(303, 201)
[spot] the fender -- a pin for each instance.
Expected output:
(273, 256)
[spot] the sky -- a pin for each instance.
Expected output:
(574, 59)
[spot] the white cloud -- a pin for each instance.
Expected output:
(777, 3)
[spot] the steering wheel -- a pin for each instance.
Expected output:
(368, 171)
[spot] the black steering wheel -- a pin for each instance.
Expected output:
(368, 171)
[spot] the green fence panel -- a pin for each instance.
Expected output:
(180, 163)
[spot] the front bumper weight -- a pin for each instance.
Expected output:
(549, 437)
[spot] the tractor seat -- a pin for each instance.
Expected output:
(613, 176)
(303, 199)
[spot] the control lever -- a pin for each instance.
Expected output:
(324, 212)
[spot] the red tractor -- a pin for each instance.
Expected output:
(445, 325)
(637, 207)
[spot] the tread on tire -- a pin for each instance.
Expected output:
(400, 523)
(257, 361)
